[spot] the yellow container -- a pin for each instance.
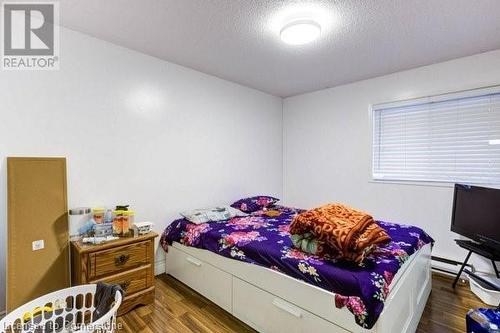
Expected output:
(128, 221)
(117, 222)
(98, 215)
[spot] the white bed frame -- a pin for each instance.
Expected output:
(272, 302)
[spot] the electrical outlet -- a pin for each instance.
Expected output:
(38, 245)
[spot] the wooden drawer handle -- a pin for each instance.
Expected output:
(193, 261)
(122, 260)
(288, 308)
(125, 285)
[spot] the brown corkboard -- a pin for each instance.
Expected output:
(37, 210)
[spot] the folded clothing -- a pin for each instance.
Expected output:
(337, 231)
(305, 242)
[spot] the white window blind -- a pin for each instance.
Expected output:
(447, 138)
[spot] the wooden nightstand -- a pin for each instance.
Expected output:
(128, 261)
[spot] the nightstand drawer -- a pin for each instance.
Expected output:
(132, 281)
(118, 259)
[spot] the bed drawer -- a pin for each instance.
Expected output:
(270, 314)
(211, 282)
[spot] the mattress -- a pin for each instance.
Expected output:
(263, 239)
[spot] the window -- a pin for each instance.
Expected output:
(446, 138)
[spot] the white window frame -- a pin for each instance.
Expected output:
(373, 108)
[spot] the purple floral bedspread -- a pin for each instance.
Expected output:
(264, 240)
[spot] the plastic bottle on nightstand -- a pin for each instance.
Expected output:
(108, 216)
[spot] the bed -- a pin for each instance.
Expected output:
(248, 266)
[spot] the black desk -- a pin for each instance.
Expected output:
(483, 251)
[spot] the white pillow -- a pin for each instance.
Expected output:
(213, 214)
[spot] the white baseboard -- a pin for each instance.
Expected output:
(159, 267)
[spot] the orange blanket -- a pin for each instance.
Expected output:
(341, 231)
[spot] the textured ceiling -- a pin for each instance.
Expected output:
(238, 40)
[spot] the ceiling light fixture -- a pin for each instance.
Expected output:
(300, 32)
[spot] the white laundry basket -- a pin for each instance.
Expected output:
(66, 310)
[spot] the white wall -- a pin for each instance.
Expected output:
(141, 131)
(327, 147)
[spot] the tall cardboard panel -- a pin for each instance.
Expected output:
(37, 211)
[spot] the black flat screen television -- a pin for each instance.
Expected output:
(476, 214)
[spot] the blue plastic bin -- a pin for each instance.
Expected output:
(483, 321)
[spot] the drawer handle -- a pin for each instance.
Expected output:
(288, 308)
(122, 260)
(193, 261)
(125, 285)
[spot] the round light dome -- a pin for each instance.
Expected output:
(300, 32)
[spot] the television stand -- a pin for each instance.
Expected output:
(481, 250)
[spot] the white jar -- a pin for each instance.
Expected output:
(77, 219)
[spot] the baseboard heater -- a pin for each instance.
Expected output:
(448, 266)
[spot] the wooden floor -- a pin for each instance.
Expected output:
(446, 308)
(180, 309)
